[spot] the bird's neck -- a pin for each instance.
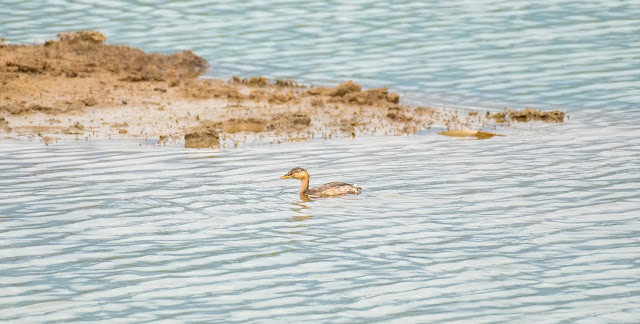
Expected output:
(304, 186)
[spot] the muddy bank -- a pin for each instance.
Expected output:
(79, 87)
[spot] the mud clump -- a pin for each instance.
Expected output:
(280, 97)
(346, 87)
(528, 114)
(75, 129)
(373, 96)
(82, 53)
(351, 93)
(289, 121)
(262, 82)
(120, 125)
(87, 36)
(208, 89)
(288, 83)
(234, 125)
(4, 125)
(22, 107)
(397, 113)
(204, 137)
(253, 81)
(158, 67)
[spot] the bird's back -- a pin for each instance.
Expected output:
(334, 189)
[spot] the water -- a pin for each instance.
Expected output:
(541, 225)
(567, 54)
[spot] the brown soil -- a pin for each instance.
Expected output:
(80, 86)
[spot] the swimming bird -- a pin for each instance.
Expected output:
(331, 189)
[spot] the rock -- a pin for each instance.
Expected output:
(204, 137)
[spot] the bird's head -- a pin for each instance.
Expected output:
(296, 173)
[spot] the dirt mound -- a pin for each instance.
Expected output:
(202, 137)
(350, 92)
(78, 70)
(86, 36)
(83, 53)
(344, 88)
(104, 91)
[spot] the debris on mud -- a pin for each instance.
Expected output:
(529, 114)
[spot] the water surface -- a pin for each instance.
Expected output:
(504, 230)
(567, 54)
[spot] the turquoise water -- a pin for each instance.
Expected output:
(541, 225)
(566, 54)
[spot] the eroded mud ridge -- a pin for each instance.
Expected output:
(78, 86)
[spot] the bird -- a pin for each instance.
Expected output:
(331, 189)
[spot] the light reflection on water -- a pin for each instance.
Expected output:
(535, 225)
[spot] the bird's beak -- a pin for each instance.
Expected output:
(286, 176)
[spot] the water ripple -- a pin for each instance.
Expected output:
(446, 230)
(570, 54)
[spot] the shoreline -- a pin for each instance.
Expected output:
(80, 87)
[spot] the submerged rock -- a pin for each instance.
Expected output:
(469, 133)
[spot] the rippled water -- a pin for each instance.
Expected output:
(541, 225)
(503, 230)
(542, 53)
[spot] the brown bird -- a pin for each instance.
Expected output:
(331, 189)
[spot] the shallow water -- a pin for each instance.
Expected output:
(539, 225)
(503, 230)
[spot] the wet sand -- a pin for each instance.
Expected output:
(78, 87)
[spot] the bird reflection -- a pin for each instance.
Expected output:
(299, 208)
(299, 218)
